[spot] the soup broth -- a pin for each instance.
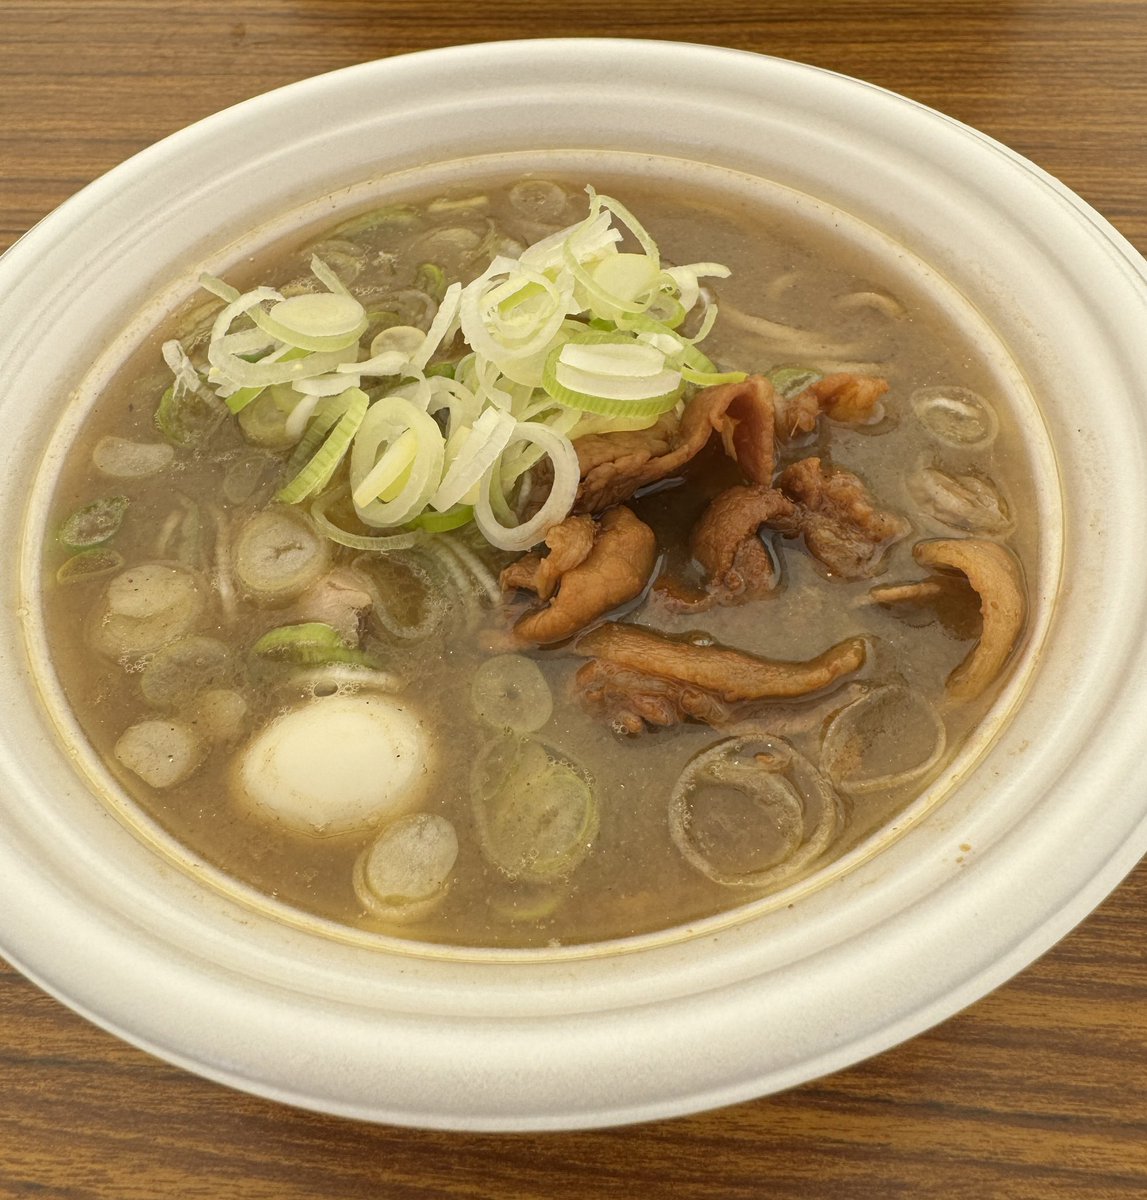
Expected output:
(529, 807)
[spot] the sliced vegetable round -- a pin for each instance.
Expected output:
(93, 524)
(161, 753)
(124, 459)
(510, 692)
(183, 668)
(890, 737)
(752, 812)
(144, 608)
(956, 416)
(406, 870)
(535, 810)
(97, 563)
(279, 554)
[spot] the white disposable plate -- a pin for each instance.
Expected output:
(138, 936)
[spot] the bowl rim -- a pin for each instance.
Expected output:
(578, 1055)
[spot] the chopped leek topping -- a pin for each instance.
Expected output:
(573, 325)
(535, 810)
(93, 524)
(97, 563)
(510, 692)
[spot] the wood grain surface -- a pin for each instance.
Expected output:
(1039, 1090)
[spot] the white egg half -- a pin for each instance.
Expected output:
(336, 764)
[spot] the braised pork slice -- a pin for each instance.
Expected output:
(843, 396)
(726, 544)
(638, 677)
(592, 567)
(615, 465)
(841, 524)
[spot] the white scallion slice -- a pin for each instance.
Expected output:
(479, 450)
(314, 321)
(278, 554)
(630, 378)
(510, 692)
(566, 477)
(405, 871)
(535, 810)
(386, 422)
(124, 459)
(317, 472)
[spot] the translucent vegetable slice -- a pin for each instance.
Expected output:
(183, 668)
(405, 872)
(890, 737)
(88, 565)
(308, 643)
(392, 479)
(278, 554)
(125, 459)
(509, 692)
(144, 608)
(94, 523)
(752, 812)
(161, 753)
(535, 810)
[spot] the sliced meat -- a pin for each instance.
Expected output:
(598, 566)
(569, 545)
(629, 700)
(340, 598)
(730, 675)
(615, 465)
(726, 543)
(994, 572)
(844, 396)
(841, 524)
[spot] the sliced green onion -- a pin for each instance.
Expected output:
(431, 279)
(535, 810)
(378, 543)
(613, 394)
(96, 563)
(307, 644)
(93, 524)
(318, 471)
(791, 381)
(566, 477)
(480, 449)
(314, 321)
(510, 692)
(387, 420)
(125, 459)
(443, 522)
(278, 554)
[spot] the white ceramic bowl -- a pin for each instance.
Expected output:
(139, 938)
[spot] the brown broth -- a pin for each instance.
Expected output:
(787, 265)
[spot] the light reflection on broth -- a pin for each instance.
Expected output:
(619, 844)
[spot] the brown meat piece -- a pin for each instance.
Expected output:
(341, 598)
(615, 465)
(844, 396)
(629, 699)
(730, 675)
(726, 545)
(995, 574)
(590, 582)
(841, 524)
(569, 545)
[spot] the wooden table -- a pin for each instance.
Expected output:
(1039, 1090)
